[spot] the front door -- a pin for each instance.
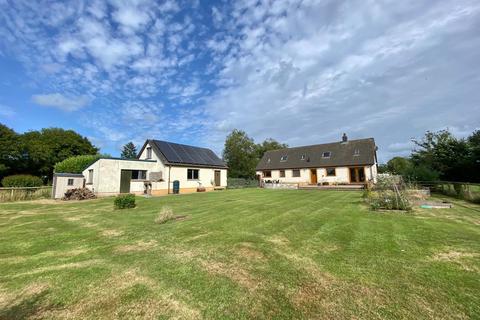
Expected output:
(125, 178)
(357, 175)
(313, 176)
(217, 178)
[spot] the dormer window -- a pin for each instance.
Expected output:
(303, 157)
(356, 152)
(326, 154)
(149, 152)
(283, 158)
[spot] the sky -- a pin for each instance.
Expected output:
(190, 71)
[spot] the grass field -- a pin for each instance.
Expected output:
(239, 254)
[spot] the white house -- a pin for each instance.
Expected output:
(343, 162)
(159, 166)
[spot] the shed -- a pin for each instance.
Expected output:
(66, 181)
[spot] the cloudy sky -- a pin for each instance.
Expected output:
(190, 71)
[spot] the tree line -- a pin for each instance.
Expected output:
(440, 156)
(36, 152)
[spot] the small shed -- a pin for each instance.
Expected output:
(66, 181)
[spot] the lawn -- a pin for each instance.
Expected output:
(239, 254)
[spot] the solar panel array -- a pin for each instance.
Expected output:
(180, 153)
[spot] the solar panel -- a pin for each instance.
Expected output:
(179, 153)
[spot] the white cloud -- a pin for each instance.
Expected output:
(59, 101)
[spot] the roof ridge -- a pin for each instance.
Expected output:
(181, 144)
(321, 144)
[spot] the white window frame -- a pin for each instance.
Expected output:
(283, 158)
(327, 152)
(191, 176)
(70, 180)
(149, 152)
(90, 176)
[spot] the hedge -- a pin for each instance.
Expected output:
(76, 164)
(22, 180)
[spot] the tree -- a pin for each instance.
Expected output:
(442, 152)
(240, 155)
(10, 149)
(129, 151)
(267, 145)
(399, 165)
(47, 147)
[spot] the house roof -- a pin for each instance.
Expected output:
(350, 153)
(181, 154)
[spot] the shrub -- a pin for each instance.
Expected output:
(388, 200)
(22, 180)
(166, 214)
(124, 201)
(76, 164)
(79, 194)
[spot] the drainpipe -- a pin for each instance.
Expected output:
(169, 167)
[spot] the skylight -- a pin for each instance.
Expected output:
(283, 158)
(326, 154)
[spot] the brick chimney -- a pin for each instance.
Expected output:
(344, 137)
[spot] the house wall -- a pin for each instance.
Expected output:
(106, 176)
(342, 175)
(60, 185)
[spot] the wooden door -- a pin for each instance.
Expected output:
(313, 176)
(125, 178)
(357, 175)
(217, 178)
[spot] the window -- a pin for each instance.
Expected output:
(282, 173)
(283, 158)
(70, 182)
(149, 152)
(326, 154)
(139, 174)
(303, 157)
(192, 174)
(356, 152)
(90, 176)
(296, 173)
(331, 172)
(268, 160)
(267, 174)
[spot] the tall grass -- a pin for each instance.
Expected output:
(22, 194)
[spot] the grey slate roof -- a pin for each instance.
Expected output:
(181, 154)
(342, 154)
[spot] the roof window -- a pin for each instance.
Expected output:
(284, 158)
(356, 152)
(303, 157)
(326, 154)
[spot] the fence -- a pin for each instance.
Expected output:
(238, 183)
(461, 190)
(24, 193)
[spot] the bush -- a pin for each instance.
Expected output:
(166, 214)
(124, 201)
(388, 200)
(235, 183)
(79, 194)
(22, 180)
(75, 164)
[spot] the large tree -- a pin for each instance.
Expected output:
(242, 154)
(445, 154)
(267, 145)
(129, 151)
(10, 149)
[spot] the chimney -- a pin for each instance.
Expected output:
(344, 138)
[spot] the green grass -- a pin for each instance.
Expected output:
(239, 254)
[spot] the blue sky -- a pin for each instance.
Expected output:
(190, 71)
